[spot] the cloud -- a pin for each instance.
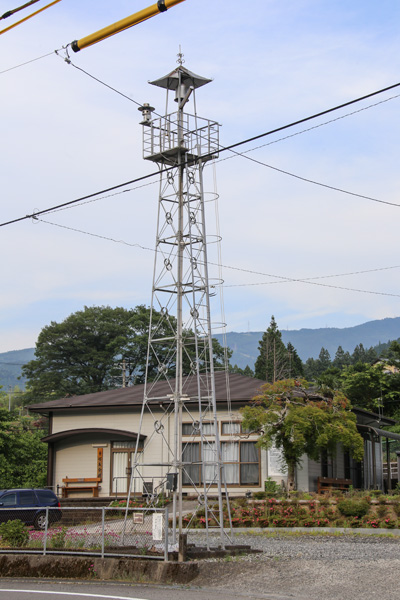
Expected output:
(66, 135)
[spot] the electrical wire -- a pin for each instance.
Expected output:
(29, 16)
(14, 10)
(324, 185)
(138, 187)
(243, 154)
(281, 278)
(26, 63)
(110, 87)
(292, 135)
(35, 214)
(223, 149)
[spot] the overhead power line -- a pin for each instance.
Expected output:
(35, 214)
(29, 16)
(284, 172)
(223, 149)
(281, 278)
(14, 10)
(26, 63)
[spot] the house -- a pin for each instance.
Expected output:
(93, 437)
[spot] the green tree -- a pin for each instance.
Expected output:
(368, 386)
(362, 355)
(314, 368)
(90, 350)
(299, 422)
(295, 367)
(247, 371)
(342, 358)
(330, 380)
(273, 361)
(23, 456)
(311, 369)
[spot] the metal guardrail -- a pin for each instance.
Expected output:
(91, 531)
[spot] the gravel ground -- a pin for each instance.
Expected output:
(307, 566)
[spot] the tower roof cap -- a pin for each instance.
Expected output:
(171, 81)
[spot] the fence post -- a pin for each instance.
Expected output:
(45, 531)
(166, 534)
(103, 513)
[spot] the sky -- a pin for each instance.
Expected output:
(272, 63)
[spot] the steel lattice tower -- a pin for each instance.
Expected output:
(180, 364)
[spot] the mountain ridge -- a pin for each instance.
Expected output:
(308, 343)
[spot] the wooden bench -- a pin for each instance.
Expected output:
(89, 484)
(326, 484)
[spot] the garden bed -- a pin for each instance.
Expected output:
(344, 511)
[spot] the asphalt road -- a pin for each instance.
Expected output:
(14, 589)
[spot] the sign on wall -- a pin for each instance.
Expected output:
(100, 463)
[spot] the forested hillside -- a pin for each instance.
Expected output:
(308, 342)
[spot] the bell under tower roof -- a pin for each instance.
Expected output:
(189, 79)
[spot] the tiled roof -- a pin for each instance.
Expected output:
(241, 388)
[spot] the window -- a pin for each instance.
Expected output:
(233, 428)
(9, 499)
(241, 463)
(27, 498)
(230, 428)
(191, 470)
(194, 428)
(326, 464)
(249, 469)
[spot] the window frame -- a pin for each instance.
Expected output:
(241, 432)
(239, 463)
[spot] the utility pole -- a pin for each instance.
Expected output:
(123, 373)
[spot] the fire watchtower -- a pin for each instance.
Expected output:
(167, 138)
(180, 346)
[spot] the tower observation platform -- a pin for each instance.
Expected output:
(168, 138)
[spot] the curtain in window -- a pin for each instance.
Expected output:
(208, 429)
(191, 472)
(230, 428)
(249, 472)
(210, 456)
(230, 454)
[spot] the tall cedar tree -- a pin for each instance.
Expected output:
(273, 362)
(298, 421)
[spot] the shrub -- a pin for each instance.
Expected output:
(389, 523)
(381, 511)
(272, 487)
(353, 508)
(260, 495)
(58, 538)
(355, 522)
(14, 533)
(396, 507)
(374, 523)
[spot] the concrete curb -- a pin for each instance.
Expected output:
(79, 567)
(344, 530)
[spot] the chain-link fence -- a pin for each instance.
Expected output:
(96, 531)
